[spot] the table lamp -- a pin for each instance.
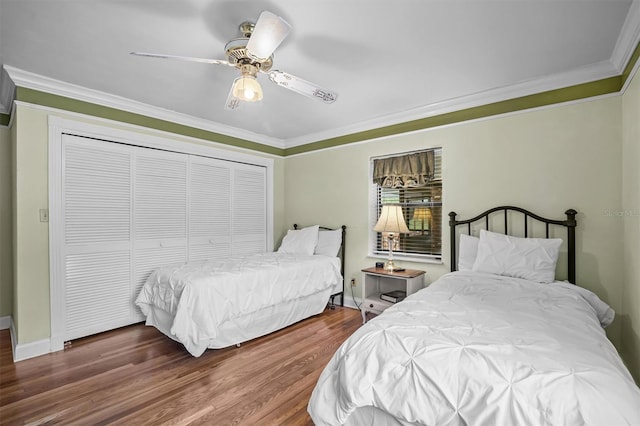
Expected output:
(391, 223)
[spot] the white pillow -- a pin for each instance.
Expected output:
(301, 241)
(468, 252)
(533, 259)
(329, 242)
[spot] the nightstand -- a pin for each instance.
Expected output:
(378, 280)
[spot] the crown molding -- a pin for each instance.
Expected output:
(7, 92)
(599, 71)
(38, 82)
(628, 39)
(41, 83)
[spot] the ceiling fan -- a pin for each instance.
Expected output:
(253, 53)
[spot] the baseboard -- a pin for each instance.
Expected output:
(28, 350)
(5, 322)
(350, 303)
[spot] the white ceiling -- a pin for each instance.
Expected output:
(389, 61)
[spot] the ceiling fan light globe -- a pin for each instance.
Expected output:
(247, 88)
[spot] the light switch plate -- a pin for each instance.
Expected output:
(44, 215)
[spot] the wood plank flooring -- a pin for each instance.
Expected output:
(136, 375)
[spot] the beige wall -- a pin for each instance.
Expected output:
(630, 313)
(31, 310)
(6, 237)
(548, 160)
(31, 291)
(14, 138)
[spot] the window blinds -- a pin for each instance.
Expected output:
(422, 210)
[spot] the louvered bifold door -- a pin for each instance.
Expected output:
(249, 207)
(96, 200)
(209, 209)
(160, 214)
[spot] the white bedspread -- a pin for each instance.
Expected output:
(480, 349)
(201, 296)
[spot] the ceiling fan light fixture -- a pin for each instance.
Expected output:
(253, 53)
(247, 88)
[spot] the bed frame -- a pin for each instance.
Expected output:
(569, 223)
(341, 254)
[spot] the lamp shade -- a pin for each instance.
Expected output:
(391, 220)
(246, 88)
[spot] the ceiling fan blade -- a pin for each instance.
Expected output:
(268, 33)
(302, 87)
(182, 58)
(232, 101)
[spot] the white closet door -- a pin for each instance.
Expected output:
(210, 209)
(96, 216)
(128, 210)
(249, 201)
(159, 214)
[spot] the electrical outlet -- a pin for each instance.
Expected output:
(353, 282)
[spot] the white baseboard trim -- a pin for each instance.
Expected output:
(28, 350)
(5, 322)
(349, 303)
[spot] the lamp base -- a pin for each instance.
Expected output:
(389, 266)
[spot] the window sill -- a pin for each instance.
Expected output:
(417, 259)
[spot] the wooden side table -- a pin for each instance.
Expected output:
(378, 280)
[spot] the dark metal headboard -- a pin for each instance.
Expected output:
(569, 223)
(341, 254)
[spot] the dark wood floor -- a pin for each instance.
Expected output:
(136, 375)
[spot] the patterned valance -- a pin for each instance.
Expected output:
(404, 171)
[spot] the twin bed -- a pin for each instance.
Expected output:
(497, 341)
(220, 303)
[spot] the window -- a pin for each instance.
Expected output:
(421, 202)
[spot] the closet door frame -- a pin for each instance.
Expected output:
(130, 135)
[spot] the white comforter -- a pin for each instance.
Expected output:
(201, 296)
(481, 349)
